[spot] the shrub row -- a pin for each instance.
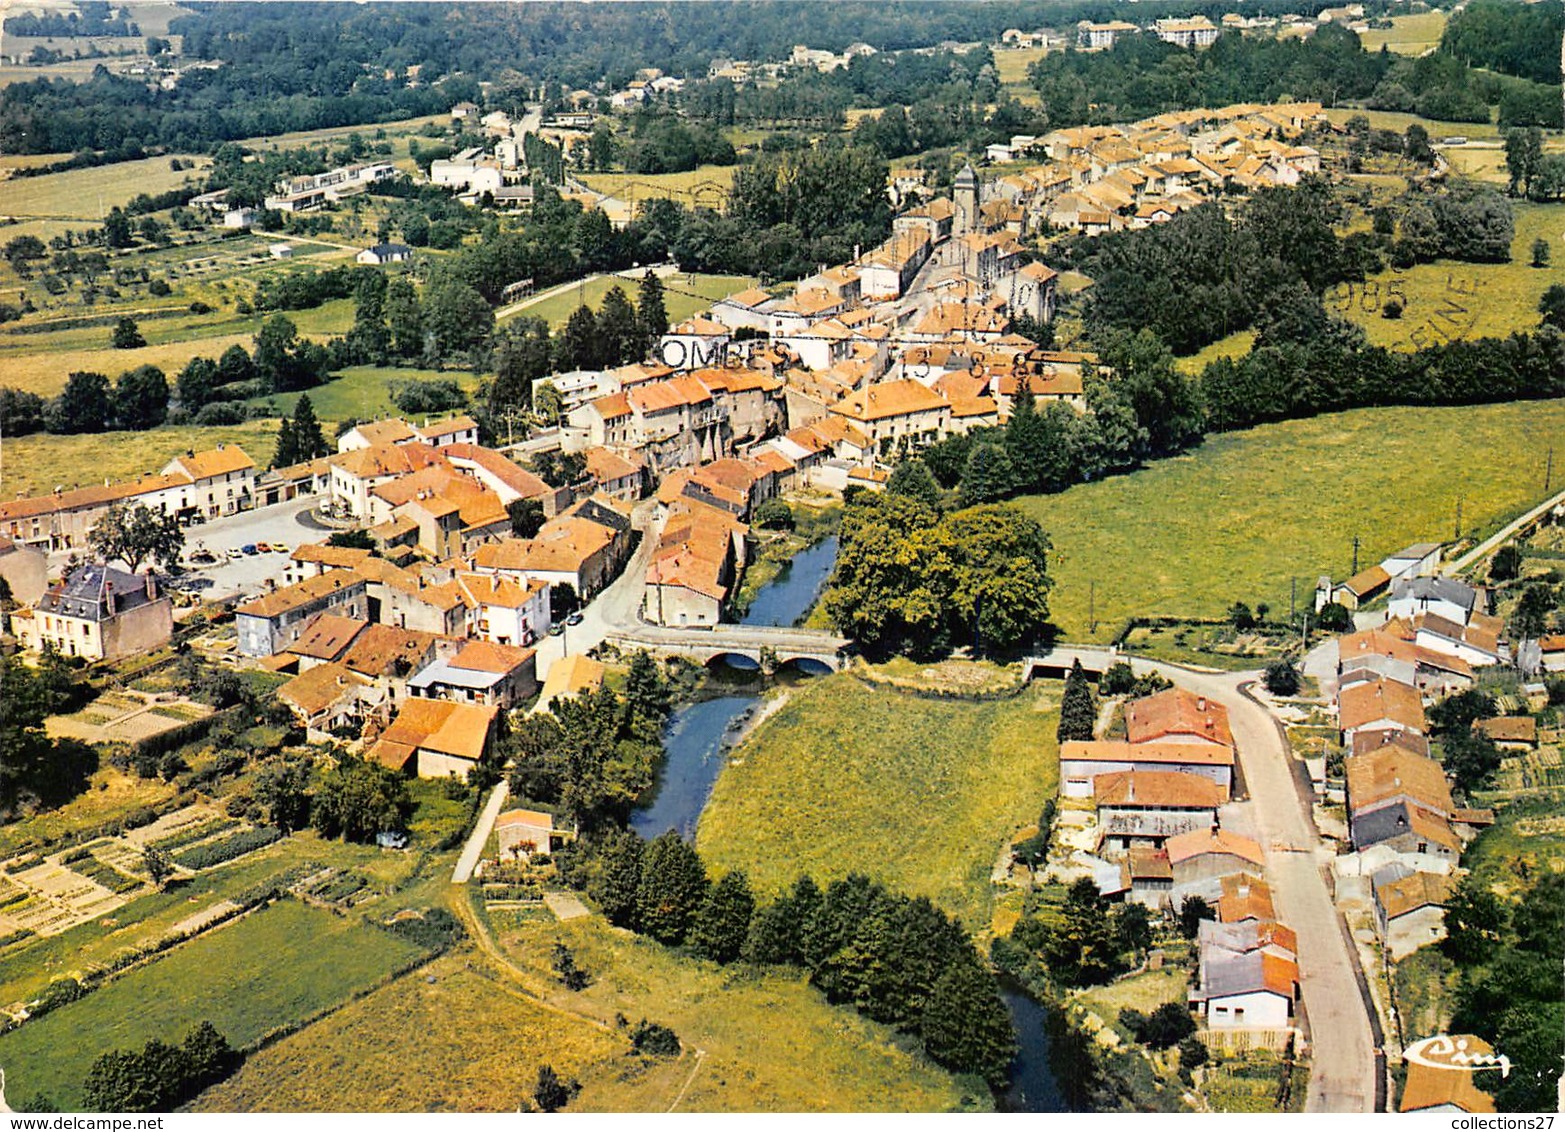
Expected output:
(155, 746)
(227, 848)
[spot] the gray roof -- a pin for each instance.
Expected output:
(1436, 589)
(968, 176)
(1228, 974)
(1381, 825)
(1416, 551)
(446, 673)
(1389, 874)
(85, 593)
(1238, 938)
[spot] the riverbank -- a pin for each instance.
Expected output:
(815, 519)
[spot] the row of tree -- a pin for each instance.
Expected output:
(160, 1077)
(898, 960)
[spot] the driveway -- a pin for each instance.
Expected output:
(1342, 1076)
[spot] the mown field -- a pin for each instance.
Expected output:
(1407, 35)
(705, 185)
(38, 463)
(918, 793)
(1237, 518)
(88, 194)
(364, 391)
(277, 966)
(683, 295)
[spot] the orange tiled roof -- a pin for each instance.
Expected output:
(1177, 712)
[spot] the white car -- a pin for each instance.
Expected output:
(235, 554)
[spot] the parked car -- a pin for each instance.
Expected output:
(203, 558)
(281, 548)
(235, 554)
(574, 618)
(556, 629)
(263, 547)
(250, 548)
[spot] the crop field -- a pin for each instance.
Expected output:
(278, 966)
(1237, 518)
(704, 185)
(683, 296)
(364, 391)
(1407, 35)
(918, 793)
(88, 194)
(38, 463)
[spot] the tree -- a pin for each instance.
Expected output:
(579, 346)
(965, 1025)
(552, 1092)
(116, 229)
(126, 335)
(1530, 618)
(1282, 678)
(1191, 913)
(141, 398)
(1334, 618)
(136, 534)
(455, 316)
(235, 366)
(83, 406)
(1134, 924)
(1523, 156)
(1540, 252)
(1455, 715)
(647, 696)
(282, 789)
(1470, 759)
(912, 478)
(1506, 563)
(650, 311)
(358, 800)
(989, 475)
(673, 886)
(196, 382)
(404, 320)
(1078, 708)
(774, 515)
(1552, 306)
(1240, 617)
(1416, 147)
(616, 879)
(158, 865)
(1193, 1053)
(526, 517)
(722, 924)
(1474, 922)
(619, 332)
(309, 441)
(564, 964)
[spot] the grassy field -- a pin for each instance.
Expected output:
(277, 966)
(1447, 300)
(459, 1042)
(1528, 834)
(704, 185)
(683, 296)
(1399, 121)
(1407, 35)
(32, 464)
(364, 391)
(88, 194)
(1238, 517)
(918, 793)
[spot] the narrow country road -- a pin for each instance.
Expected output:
(1457, 565)
(468, 861)
(1342, 1046)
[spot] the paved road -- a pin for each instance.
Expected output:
(1342, 1077)
(474, 849)
(1457, 565)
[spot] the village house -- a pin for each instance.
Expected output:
(1510, 733)
(1444, 597)
(525, 833)
(25, 570)
(1410, 910)
(567, 678)
(1204, 854)
(1379, 705)
(436, 738)
(330, 700)
(504, 610)
(1148, 807)
(1252, 991)
(1083, 761)
(98, 613)
(270, 623)
(1179, 717)
(896, 411)
(480, 673)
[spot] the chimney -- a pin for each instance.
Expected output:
(108, 597)
(1200, 703)
(152, 585)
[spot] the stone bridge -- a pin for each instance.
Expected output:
(703, 646)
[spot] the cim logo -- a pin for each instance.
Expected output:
(1463, 1052)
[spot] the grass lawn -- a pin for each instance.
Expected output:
(1011, 65)
(917, 793)
(1235, 519)
(37, 463)
(705, 185)
(88, 194)
(280, 965)
(683, 295)
(1407, 35)
(1144, 992)
(1399, 121)
(1425, 981)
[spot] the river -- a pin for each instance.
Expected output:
(695, 746)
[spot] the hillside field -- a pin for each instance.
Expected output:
(918, 793)
(38, 463)
(278, 966)
(1238, 517)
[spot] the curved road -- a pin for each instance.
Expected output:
(1343, 1066)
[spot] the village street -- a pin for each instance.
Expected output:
(1342, 1045)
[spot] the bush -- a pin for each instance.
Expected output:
(159, 287)
(1282, 678)
(221, 413)
(654, 1039)
(1392, 309)
(434, 928)
(774, 515)
(1192, 1053)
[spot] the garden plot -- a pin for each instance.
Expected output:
(124, 717)
(60, 899)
